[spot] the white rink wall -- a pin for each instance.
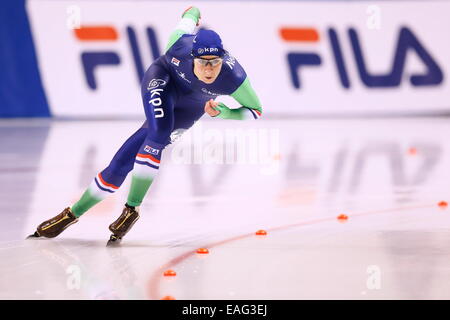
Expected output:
(303, 58)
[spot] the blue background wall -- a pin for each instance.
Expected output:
(21, 92)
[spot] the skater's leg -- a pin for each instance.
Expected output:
(159, 98)
(186, 112)
(111, 178)
(105, 183)
(143, 175)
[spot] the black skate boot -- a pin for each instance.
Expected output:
(54, 226)
(123, 224)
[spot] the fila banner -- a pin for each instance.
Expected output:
(302, 58)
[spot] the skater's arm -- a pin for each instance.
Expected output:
(189, 20)
(246, 96)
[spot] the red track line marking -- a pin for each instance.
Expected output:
(156, 277)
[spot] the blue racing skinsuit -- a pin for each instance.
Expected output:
(174, 98)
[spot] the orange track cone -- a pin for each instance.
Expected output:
(170, 273)
(202, 251)
(443, 205)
